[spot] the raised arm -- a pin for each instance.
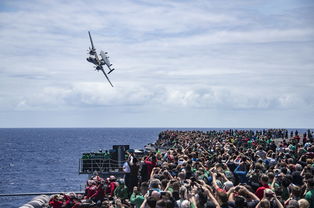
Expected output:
(211, 197)
(145, 201)
(252, 195)
(214, 182)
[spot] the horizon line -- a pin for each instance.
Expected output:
(154, 127)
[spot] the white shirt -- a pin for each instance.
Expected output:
(126, 168)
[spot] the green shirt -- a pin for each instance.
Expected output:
(137, 200)
(310, 197)
(170, 189)
(122, 192)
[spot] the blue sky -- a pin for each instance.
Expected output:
(179, 64)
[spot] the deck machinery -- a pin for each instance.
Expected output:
(108, 162)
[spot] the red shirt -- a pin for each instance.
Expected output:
(110, 188)
(91, 190)
(56, 203)
(150, 165)
(221, 190)
(260, 191)
(99, 194)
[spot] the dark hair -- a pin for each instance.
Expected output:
(164, 182)
(202, 196)
(176, 195)
(310, 182)
(240, 202)
(297, 178)
(264, 178)
(209, 204)
(296, 191)
(151, 201)
(285, 182)
(169, 203)
(161, 203)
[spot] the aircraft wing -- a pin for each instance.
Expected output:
(91, 40)
(106, 76)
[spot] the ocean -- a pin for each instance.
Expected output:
(47, 159)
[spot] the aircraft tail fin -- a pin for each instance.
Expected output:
(111, 70)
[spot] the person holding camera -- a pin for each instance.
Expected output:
(241, 197)
(269, 200)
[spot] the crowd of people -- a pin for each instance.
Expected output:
(214, 169)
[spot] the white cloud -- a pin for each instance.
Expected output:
(99, 95)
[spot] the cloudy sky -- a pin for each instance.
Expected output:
(180, 63)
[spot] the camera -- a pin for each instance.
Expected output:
(269, 195)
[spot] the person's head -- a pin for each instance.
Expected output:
(135, 190)
(309, 161)
(285, 181)
(264, 179)
(161, 204)
(151, 202)
(259, 166)
(121, 181)
(183, 192)
(144, 187)
(293, 204)
(228, 185)
(164, 183)
(303, 203)
(298, 167)
(105, 204)
(155, 183)
(182, 175)
(271, 176)
(240, 201)
(112, 178)
(176, 185)
(310, 183)
(264, 203)
(296, 191)
(297, 178)
(185, 204)
(155, 195)
(268, 193)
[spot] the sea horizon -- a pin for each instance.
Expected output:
(134, 127)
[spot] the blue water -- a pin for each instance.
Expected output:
(41, 160)
(47, 160)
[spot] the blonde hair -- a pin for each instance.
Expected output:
(303, 203)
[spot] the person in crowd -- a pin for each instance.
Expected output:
(137, 197)
(122, 190)
(309, 195)
(111, 186)
(264, 185)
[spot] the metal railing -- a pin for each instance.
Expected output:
(101, 165)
